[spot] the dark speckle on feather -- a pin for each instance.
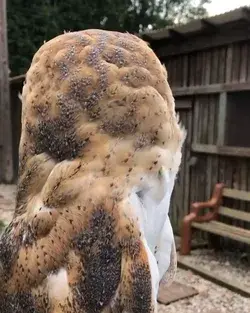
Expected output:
(18, 303)
(9, 247)
(57, 137)
(141, 289)
(101, 260)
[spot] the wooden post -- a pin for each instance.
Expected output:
(6, 162)
(222, 116)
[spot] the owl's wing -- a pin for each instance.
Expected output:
(166, 254)
(93, 259)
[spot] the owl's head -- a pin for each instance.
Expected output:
(104, 95)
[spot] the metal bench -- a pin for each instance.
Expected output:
(209, 221)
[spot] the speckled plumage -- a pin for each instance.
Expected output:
(98, 127)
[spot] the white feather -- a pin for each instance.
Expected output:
(58, 286)
(164, 247)
(151, 206)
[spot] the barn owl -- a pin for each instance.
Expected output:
(99, 152)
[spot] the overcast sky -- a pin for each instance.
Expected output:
(221, 6)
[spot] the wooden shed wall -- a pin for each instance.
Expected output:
(226, 64)
(210, 67)
(16, 86)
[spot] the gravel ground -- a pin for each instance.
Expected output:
(211, 298)
(225, 264)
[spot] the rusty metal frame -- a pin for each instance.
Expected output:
(213, 204)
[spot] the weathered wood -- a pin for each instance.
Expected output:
(236, 194)
(17, 79)
(229, 63)
(236, 63)
(221, 66)
(225, 36)
(235, 214)
(183, 103)
(180, 198)
(216, 77)
(210, 131)
(6, 161)
(224, 230)
(205, 128)
(186, 198)
(185, 70)
(192, 66)
(199, 69)
(248, 63)
(173, 72)
(175, 292)
(221, 150)
(244, 206)
(243, 63)
(230, 284)
(208, 61)
(210, 89)
(222, 116)
(214, 66)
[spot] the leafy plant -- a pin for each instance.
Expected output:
(32, 22)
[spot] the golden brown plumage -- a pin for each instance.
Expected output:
(98, 127)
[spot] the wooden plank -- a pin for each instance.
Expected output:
(175, 292)
(248, 61)
(232, 230)
(243, 63)
(208, 67)
(236, 63)
(226, 36)
(210, 89)
(236, 194)
(186, 200)
(6, 171)
(17, 79)
(199, 68)
(210, 25)
(224, 230)
(210, 130)
(200, 119)
(216, 112)
(222, 66)
(215, 65)
(174, 71)
(183, 103)
(192, 67)
(242, 166)
(185, 70)
(237, 287)
(196, 120)
(213, 159)
(203, 67)
(235, 214)
(222, 116)
(205, 128)
(195, 138)
(221, 150)
(168, 65)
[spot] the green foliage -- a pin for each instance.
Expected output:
(2, 226)
(31, 22)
